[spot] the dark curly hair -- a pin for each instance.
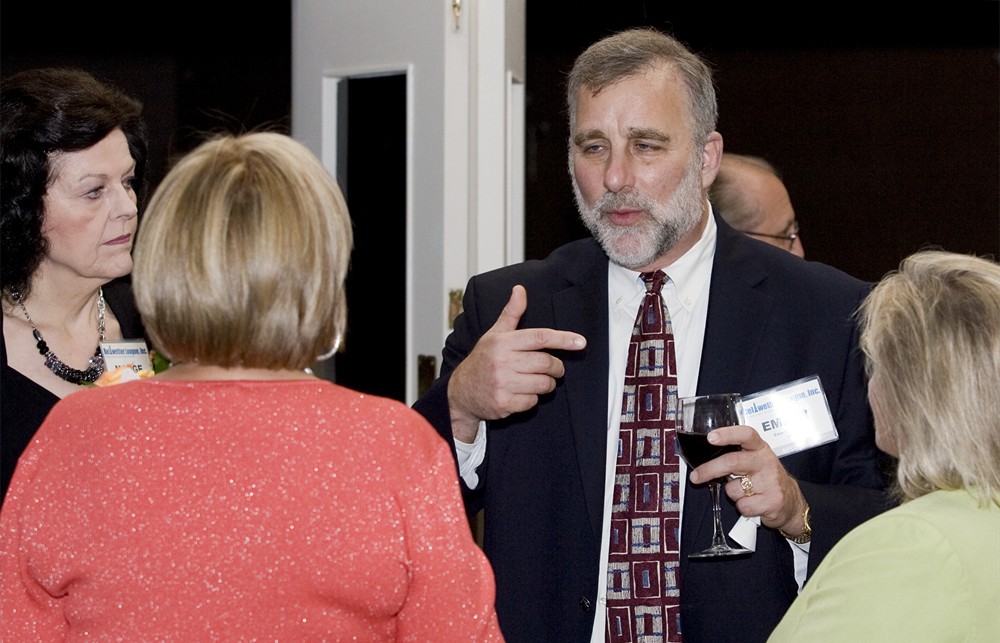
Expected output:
(43, 111)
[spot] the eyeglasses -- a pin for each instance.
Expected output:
(790, 237)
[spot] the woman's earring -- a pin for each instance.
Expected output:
(331, 352)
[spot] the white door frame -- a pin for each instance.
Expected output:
(465, 134)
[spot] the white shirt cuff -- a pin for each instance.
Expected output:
(470, 456)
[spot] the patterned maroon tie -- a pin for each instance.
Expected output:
(643, 572)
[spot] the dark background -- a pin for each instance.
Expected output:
(886, 129)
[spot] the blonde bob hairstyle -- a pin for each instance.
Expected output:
(931, 337)
(241, 256)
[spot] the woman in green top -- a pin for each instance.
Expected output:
(928, 570)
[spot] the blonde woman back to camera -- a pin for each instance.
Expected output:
(236, 493)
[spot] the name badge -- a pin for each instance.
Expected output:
(791, 417)
(132, 353)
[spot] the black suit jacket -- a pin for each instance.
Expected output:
(772, 318)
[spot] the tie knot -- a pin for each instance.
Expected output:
(654, 280)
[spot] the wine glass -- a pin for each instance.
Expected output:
(697, 416)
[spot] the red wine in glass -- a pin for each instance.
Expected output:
(697, 450)
(697, 417)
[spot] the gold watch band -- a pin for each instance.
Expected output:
(806, 534)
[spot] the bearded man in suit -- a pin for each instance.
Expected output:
(530, 389)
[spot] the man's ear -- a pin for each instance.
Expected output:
(711, 159)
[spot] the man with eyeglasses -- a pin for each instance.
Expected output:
(750, 196)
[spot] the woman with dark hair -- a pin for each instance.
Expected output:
(72, 156)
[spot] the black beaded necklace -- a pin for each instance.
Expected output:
(96, 365)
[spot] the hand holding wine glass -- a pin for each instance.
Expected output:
(698, 416)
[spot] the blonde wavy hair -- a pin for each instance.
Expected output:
(931, 338)
(241, 256)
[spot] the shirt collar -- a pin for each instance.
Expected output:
(688, 276)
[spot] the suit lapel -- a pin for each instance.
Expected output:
(737, 316)
(583, 308)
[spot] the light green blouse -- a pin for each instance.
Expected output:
(928, 570)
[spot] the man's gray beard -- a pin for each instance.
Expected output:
(642, 243)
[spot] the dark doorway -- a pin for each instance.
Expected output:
(372, 162)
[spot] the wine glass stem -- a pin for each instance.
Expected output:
(718, 536)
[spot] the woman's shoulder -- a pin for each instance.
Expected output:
(947, 511)
(376, 412)
(940, 543)
(943, 529)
